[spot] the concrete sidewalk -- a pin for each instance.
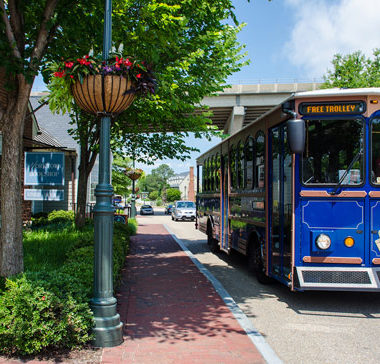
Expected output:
(171, 312)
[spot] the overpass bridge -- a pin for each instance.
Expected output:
(239, 105)
(236, 106)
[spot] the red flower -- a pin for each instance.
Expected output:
(69, 64)
(59, 74)
(119, 61)
(71, 76)
(84, 61)
(43, 298)
(128, 63)
(138, 75)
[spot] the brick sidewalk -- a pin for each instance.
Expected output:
(171, 312)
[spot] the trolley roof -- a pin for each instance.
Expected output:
(339, 92)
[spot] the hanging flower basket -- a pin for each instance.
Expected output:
(110, 94)
(99, 86)
(133, 173)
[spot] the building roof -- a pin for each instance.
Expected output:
(55, 125)
(44, 137)
(176, 180)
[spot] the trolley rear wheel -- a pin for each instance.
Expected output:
(212, 243)
(256, 263)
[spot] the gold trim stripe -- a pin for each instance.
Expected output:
(332, 260)
(308, 193)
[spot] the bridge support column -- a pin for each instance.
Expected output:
(235, 121)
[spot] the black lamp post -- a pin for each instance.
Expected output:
(108, 328)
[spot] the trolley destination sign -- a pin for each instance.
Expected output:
(331, 108)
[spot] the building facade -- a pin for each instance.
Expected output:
(184, 182)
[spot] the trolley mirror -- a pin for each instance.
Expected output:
(296, 135)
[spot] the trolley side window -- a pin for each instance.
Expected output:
(233, 169)
(200, 179)
(334, 152)
(217, 172)
(259, 160)
(240, 164)
(375, 152)
(248, 163)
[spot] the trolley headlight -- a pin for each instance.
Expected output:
(323, 241)
(349, 242)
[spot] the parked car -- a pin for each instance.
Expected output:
(146, 210)
(184, 210)
(168, 209)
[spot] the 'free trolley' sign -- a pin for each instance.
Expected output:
(44, 169)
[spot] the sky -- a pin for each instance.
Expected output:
(293, 41)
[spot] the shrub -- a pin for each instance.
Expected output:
(32, 318)
(172, 194)
(131, 227)
(60, 216)
(54, 218)
(47, 307)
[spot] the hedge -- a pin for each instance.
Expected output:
(47, 307)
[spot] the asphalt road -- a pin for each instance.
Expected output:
(307, 327)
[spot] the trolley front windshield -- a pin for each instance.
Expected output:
(334, 152)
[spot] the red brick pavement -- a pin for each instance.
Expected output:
(171, 312)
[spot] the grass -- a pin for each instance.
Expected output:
(47, 249)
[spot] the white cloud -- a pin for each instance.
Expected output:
(323, 28)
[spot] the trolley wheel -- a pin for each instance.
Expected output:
(256, 263)
(212, 243)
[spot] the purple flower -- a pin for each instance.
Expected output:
(108, 69)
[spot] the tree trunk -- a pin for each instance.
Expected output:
(12, 125)
(80, 215)
(87, 161)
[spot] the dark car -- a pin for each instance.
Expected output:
(146, 210)
(168, 209)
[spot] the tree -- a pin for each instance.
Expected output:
(31, 33)
(353, 71)
(157, 180)
(163, 173)
(121, 183)
(87, 133)
(153, 195)
(190, 44)
(172, 194)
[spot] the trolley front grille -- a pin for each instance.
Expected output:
(378, 274)
(336, 277)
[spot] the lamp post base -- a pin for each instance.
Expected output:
(108, 330)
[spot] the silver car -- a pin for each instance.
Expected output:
(146, 210)
(184, 210)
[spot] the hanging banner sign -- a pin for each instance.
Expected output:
(44, 169)
(332, 108)
(43, 195)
